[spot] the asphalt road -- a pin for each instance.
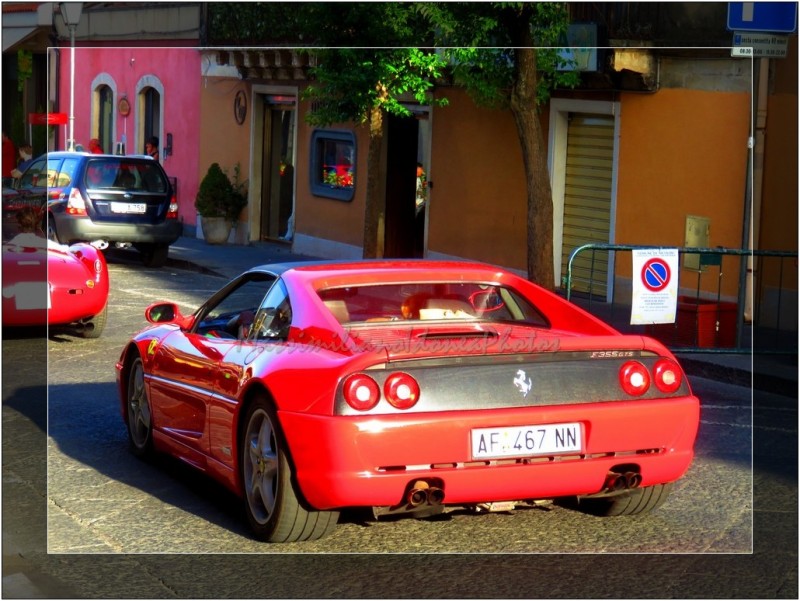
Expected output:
(115, 526)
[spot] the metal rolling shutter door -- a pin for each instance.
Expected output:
(587, 199)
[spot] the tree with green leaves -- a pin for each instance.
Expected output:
(365, 85)
(505, 54)
(370, 61)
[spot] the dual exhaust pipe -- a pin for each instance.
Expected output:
(616, 482)
(421, 493)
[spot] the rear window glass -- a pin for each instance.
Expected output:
(126, 174)
(67, 172)
(466, 301)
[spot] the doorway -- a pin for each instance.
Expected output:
(583, 155)
(277, 169)
(587, 200)
(407, 148)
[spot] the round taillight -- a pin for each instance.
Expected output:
(634, 378)
(401, 390)
(361, 392)
(667, 375)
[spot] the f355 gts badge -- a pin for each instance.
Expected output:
(523, 382)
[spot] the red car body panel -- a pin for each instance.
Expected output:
(75, 279)
(198, 387)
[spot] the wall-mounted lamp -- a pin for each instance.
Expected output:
(168, 147)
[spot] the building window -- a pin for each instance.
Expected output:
(104, 112)
(105, 118)
(151, 104)
(148, 114)
(333, 164)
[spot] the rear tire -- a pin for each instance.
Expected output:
(92, 328)
(271, 501)
(50, 229)
(639, 501)
(154, 255)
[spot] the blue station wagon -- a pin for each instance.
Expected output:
(105, 199)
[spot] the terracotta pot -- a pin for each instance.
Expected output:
(216, 229)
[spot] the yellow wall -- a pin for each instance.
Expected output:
(683, 152)
(478, 201)
(226, 142)
(779, 210)
(325, 217)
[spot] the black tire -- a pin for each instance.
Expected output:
(271, 502)
(50, 229)
(154, 255)
(139, 417)
(638, 501)
(92, 328)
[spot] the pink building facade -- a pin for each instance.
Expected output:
(123, 96)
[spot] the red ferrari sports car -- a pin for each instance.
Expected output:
(405, 386)
(45, 283)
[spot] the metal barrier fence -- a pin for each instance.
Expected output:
(762, 319)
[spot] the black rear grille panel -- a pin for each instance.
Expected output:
(499, 382)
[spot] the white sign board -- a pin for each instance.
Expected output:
(759, 45)
(655, 285)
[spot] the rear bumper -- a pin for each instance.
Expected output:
(370, 461)
(82, 228)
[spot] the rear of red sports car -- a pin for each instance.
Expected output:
(488, 391)
(405, 386)
(47, 283)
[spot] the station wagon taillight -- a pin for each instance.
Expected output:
(172, 212)
(76, 205)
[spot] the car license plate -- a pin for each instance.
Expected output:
(128, 207)
(526, 441)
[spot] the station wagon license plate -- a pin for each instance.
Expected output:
(128, 207)
(526, 441)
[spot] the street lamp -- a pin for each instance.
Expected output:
(71, 13)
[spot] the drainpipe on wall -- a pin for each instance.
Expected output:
(753, 218)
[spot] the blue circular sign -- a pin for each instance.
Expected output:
(656, 274)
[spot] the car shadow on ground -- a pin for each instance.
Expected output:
(96, 437)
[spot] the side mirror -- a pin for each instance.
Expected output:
(162, 313)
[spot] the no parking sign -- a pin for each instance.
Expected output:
(655, 285)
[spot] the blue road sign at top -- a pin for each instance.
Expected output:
(773, 17)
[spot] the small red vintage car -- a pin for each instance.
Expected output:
(45, 283)
(406, 387)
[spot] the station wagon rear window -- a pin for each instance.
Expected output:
(139, 175)
(429, 301)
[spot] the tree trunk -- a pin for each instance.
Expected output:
(375, 210)
(534, 157)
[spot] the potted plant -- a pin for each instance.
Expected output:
(219, 203)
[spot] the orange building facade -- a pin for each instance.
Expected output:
(668, 168)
